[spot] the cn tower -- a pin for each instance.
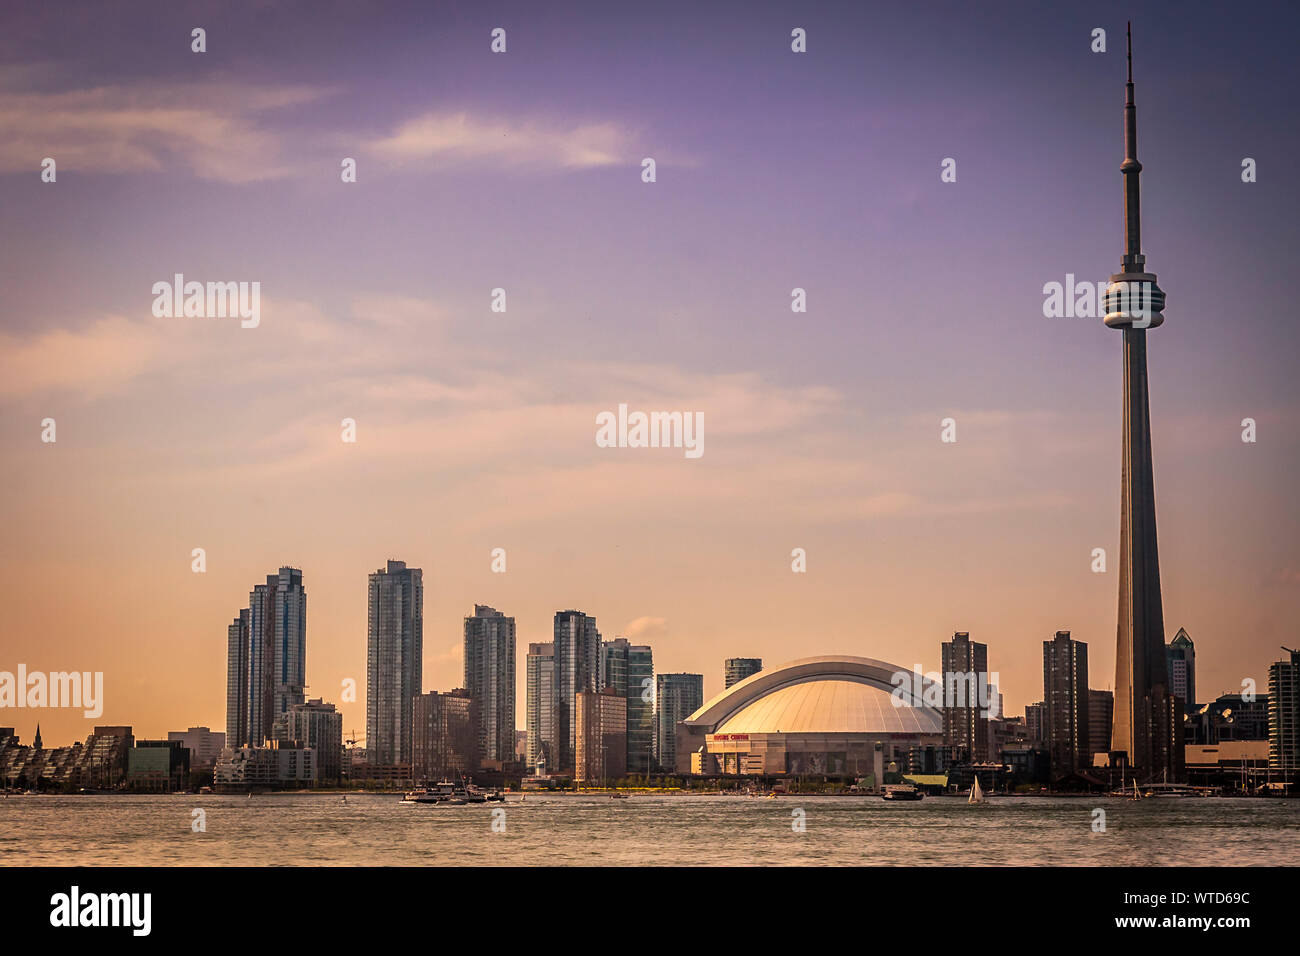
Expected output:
(1148, 731)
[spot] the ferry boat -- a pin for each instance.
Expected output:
(901, 791)
(454, 794)
(1176, 790)
(439, 793)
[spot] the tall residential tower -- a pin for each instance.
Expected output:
(490, 680)
(266, 658)
(736, 669)
(539, 704)
(677, 696)
(1066, 703)
(965, 665)
(629, 669)
(394, 659)
(1180, 658)
(576, 647)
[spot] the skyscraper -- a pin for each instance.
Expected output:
(266, 658)
(1066, 703)
(640, 709)
(577, 667)
(1284, 713)
(289, 632)
(261, 662)
(490, 680)
(677, 696)
(1147, 732)
(539, 703)
(736, 669)
(629, 669)
(965, 716)
(1180, 658)
(394, 660)
(613, 664)
(237, 674)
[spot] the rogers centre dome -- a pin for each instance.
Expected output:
(823, 715)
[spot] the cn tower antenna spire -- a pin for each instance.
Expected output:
(1128, 32)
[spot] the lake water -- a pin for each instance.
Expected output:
(370, 829)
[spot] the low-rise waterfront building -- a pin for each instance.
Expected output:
(248, 768)
(1231, 764)
(204, 745)
(161, 765)
(317, 725)
(1229, 717)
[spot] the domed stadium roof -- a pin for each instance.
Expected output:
(830, 707)
(833, 695)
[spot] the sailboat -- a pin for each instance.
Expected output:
(976, 794)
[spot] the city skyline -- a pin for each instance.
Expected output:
(938, 665)
(695, 427)
(177, 434)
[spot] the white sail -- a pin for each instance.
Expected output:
(976, 794)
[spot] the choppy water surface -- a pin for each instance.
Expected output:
(318, 829)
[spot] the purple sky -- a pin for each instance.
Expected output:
(775, 170)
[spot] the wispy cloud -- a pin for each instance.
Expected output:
(216, 130)
(645, 628)
(493, 428)
(105, 354)
(233, 131)
(459, 137)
